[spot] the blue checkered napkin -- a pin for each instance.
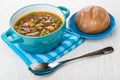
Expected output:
(69, 42)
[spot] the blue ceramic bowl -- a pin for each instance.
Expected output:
(39, 44)
(72, 26)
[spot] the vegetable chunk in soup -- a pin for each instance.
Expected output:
(38, 24)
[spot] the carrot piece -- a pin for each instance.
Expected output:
(51, 29)
(29, 23)
(21, 22)
(48, 15)
(15, 27)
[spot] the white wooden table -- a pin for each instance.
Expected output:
(105, 67)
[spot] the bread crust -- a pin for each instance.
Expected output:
(92, 19)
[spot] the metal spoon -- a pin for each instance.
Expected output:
(46, 68)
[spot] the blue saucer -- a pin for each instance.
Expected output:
(72, 27)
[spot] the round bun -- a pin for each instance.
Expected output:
(92, 19)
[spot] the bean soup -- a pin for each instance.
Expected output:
(38, 24)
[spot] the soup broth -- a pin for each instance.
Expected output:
(38, 24)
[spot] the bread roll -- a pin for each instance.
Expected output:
(92, 19)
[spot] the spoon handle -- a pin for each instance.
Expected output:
(98, 52)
